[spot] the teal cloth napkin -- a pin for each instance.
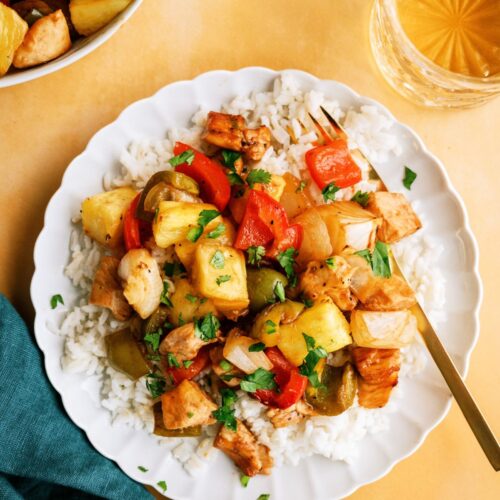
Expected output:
(42, 453)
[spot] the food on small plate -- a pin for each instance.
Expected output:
(34, 32)
(237, 284)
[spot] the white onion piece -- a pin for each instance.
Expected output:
(236, 350)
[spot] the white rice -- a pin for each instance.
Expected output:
(85, 326)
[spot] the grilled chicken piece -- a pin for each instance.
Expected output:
(107, 290)
(143, 283)
(399, 219)
(186, 406)
(216, 357)
(184, 343)
(319, 279)
(378, 370)
(244, 450)
(292, 415)
(161, 255)
(377, 293)
(230, 132)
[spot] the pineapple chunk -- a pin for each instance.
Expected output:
(274, 188)
(383, 330)
(12, 31)
(219, 273)
(324, 322)
(102, 215)
(187, 305)
(185, 249)
(175, 219)
(88, 16)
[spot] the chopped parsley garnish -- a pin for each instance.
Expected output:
(217, 260)
(222, 279)
(329, 191)
(330, 262)
(307, 302)
(153, 357)
(173, 268)
(206, 328)
(155, 384)
(184, 157)
(259, 379)
(164, 295)
(259, 346)
(258, 176)
(235, 179)
(191, 298)
(287, 260)
(378, 260)
(157, 211)
(225, 413)
(361, 198)
(187, 363)
(229, 158)
(409, 178)
(279, 291)
(218, 231)
(204, 218)
(314, 354)
(172, 361)
(190, 414)
(180, 320)
(142, 468)
(301, 187)
(264, 496)
(162, 485)
(153, 339)
(270, 326)
(56, 299)
(225, 365)
(255, 255)
(244, 481)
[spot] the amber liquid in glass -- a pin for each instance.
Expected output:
(462, 36)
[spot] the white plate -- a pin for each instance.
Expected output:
(425, 400)
(79, 49)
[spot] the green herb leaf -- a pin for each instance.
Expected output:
(187, 363)
(173, 268)
(56, 299)
(301, 187)
(162, 485)
(180, 320)
(307, 302)
(329, 191)
(185, 157)
(244, 481)
(142, 468)
(330, 262)
(194, 233)
(172, 360)
(225, 413)
(164, 295)
(206, 328)
(155, 383)
(270, 326)
(264, 496)
(378, 260)
(409, 178)
(217, 260)
(314, 354)
(207, 216)
(310, 342)
(235, 179)
(259, 346)
(258, 176)
(153, 357)
(222, 279)
(361, 197)
(287, 261)
(366, 255)
(218, 231)
(230, 157)
(190, 414)
(153, 339)
(225, 365)
(279, 291)
(255, 255)
(157, 211)
(191, 298)
(259, 379)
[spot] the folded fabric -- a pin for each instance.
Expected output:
(42, 453)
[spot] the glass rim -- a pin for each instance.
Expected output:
(475, 80)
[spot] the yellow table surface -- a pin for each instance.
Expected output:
(45, 123)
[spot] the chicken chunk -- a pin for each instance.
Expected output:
(292, 415)
(399, 219)
(230, 132)
(320, 279)
(184, 343)
(244, 450)
(377, 293)
(378, 370)
(107, 290)
(187, 405)
(143, 283)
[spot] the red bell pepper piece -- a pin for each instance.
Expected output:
(333, 162)
(210, 176)
(183, 373)
(292, 237)
(131, 226)
(291, 383)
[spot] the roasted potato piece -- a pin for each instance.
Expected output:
(175, 219)
(89, 16)
(324, 322)
(102, 215)
(47, 39)
(186, 406)
(294, 198)
(399, 219)
(12, 31)
(219, 273)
